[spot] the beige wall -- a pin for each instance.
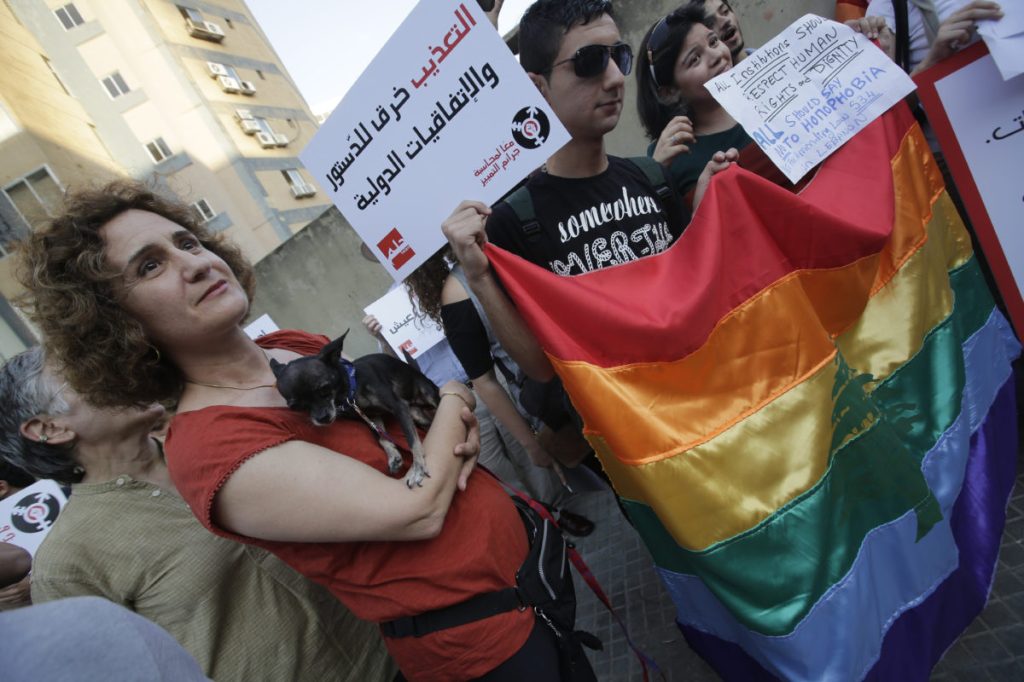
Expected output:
(759, 19)
(319, 281)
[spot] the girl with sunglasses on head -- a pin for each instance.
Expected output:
(678, 56)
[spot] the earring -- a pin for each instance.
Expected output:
(157, 351)
(43, 438)
(78, 470)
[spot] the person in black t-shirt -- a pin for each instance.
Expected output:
(593, 210)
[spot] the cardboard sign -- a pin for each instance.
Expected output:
(401, 326)
(978, 119)
(443, 113)
(27, 516)
(809, 90)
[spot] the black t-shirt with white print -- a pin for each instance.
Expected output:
(590, 223)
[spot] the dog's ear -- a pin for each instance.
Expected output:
(277, 367)
(332, 351)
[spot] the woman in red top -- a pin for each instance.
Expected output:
(138, 303)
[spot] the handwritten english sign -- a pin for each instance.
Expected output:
(443, 113)
(27, 516)
(809, 90)
(401, 326)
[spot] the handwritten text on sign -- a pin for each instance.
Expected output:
(443, 113)
(809, 90)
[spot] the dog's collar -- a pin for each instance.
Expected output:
(350, 370)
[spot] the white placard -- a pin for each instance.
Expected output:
(987, 116)
(401, 327)
(443, 113)
(27, 516)
(1005, 40)
(261, 326)
(809, 90)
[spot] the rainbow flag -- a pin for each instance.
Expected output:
(850, 9)
(807, 407)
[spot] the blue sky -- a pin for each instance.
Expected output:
(326, 44)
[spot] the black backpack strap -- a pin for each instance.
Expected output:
(902, 55)
(658, 180)
(521, 203)
(655, 174)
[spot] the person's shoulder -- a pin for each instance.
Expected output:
(502, 224)
(295, 340)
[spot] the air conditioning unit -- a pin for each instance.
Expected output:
(266, 140)
(248, 87)
(250, 127)
(243, 115)
(300, 191)
(281, 140)
(216, 69)
(205, 30)
(229, 84)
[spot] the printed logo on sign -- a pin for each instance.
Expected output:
(395, 249)
(530, 127)
(35, 513)
(408, 347)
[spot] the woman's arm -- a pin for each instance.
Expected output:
(305, 493)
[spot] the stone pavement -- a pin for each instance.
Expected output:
(991, 649)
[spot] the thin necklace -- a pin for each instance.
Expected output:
(235, 388)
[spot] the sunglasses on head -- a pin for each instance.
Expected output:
(656, 42)
(592, 60)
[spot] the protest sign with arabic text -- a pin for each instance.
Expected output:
(443, 113)
(27, 516)
(401, 326)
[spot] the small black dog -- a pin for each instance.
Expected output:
(326, 385)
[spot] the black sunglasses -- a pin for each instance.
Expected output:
(592, 60)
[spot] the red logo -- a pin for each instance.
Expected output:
(395, 249)
(408, 347)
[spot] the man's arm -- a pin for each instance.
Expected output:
(464, 229)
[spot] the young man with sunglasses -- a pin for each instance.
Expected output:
(591, 210)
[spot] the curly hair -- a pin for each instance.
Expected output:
(655, 113)
(99, 348)
(426, 282)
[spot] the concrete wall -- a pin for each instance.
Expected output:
(759, 19)
(319, 281)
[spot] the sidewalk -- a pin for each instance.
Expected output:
(991, 649)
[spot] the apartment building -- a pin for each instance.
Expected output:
(189, 95)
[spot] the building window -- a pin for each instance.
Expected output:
(193, 15)
(204, 210)
(158, 150)
(300, 188)
(115, 85)
(69, 16)
(37, 196)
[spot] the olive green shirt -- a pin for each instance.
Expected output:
(241, 612)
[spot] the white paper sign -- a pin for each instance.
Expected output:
(987, 116)
(443, 113)
(401, 327)
(27, 516)
(261, 326)
(809, 90)
(1005, 40)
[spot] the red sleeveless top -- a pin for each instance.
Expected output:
(479, 549)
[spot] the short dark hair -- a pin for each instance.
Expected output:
(71, 294)
(544, 25)
(654, 112)
(26, 392)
